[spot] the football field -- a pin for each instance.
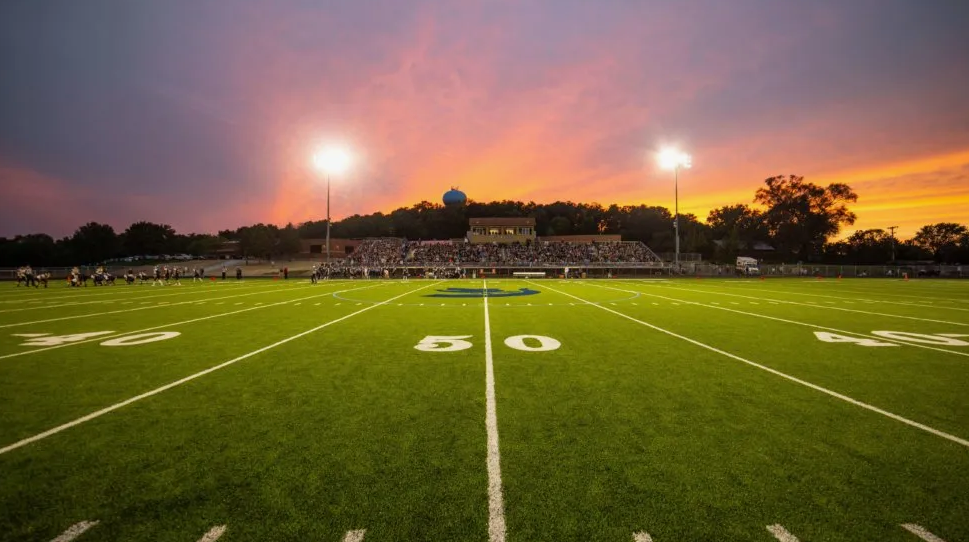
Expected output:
(486, 410)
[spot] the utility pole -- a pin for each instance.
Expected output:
(892, 230)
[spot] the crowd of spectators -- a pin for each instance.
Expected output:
(395, 252)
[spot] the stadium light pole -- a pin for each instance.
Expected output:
(670, 158)
(331, 161)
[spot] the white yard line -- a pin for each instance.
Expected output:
(817, 305)
(785, 376)
(354, 536)
(120, 298)
(160, 304)
(75, 531)
(496, 505)
(156, 391)
(921, 532)
(781, 534)
(642, 536)
(172, 324)
(214, 534)
(795, 322)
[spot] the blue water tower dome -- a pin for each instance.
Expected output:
(455, 197)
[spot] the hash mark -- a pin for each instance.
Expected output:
(75, 531)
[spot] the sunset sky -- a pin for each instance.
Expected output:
(205, 114)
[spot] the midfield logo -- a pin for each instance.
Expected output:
(482, 292)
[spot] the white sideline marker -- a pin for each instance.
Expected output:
(214, 534)
(354, 536)
(239, 303)
(781, 533)
(920, 532)
(496, 504)
(642, 536)
(170, 385)
(75, 531)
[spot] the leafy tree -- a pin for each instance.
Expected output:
(801, 216)
(94, 243)
(258, 241)
(202, 245)
(747, 221)
(869, 247)
(288, 240)
(942, 241)
(147, 238)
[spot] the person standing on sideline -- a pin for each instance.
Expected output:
(223, 272)
(238, 273)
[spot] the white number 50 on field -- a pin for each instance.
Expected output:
(454, 343)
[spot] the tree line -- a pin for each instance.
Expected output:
(793, 220)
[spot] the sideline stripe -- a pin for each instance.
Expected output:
(642, 536)
(173, 324)
(781, 533)
(354, 536)
(75, 531)
(714, 305)
(786, 376)
(920, 532)
(126, 402)
(213, 534)
(160, 304)
(496, 505)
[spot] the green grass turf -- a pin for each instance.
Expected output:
(622, 429)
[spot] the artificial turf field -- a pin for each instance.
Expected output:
(664, 410)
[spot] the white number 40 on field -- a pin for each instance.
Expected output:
(948, 339)
(455, 343)
(45, 339)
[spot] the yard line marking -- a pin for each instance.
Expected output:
(817, 306)
(921, 532)
(214, 534)
(642, 536)
(75, 531)
(316, 304)
(795, 322)
(172, 324)
(754, 303)
(864, 300)
(295, 304)
(160, 304)
(131, 300)
(496, 505)
(189, 378)
(786, 376)
(657, 304)
(781, 533)
(354, 536)
(239, 303)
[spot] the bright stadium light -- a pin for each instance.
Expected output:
(331, 161)
(670, 158)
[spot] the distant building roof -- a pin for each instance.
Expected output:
(511, 221)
